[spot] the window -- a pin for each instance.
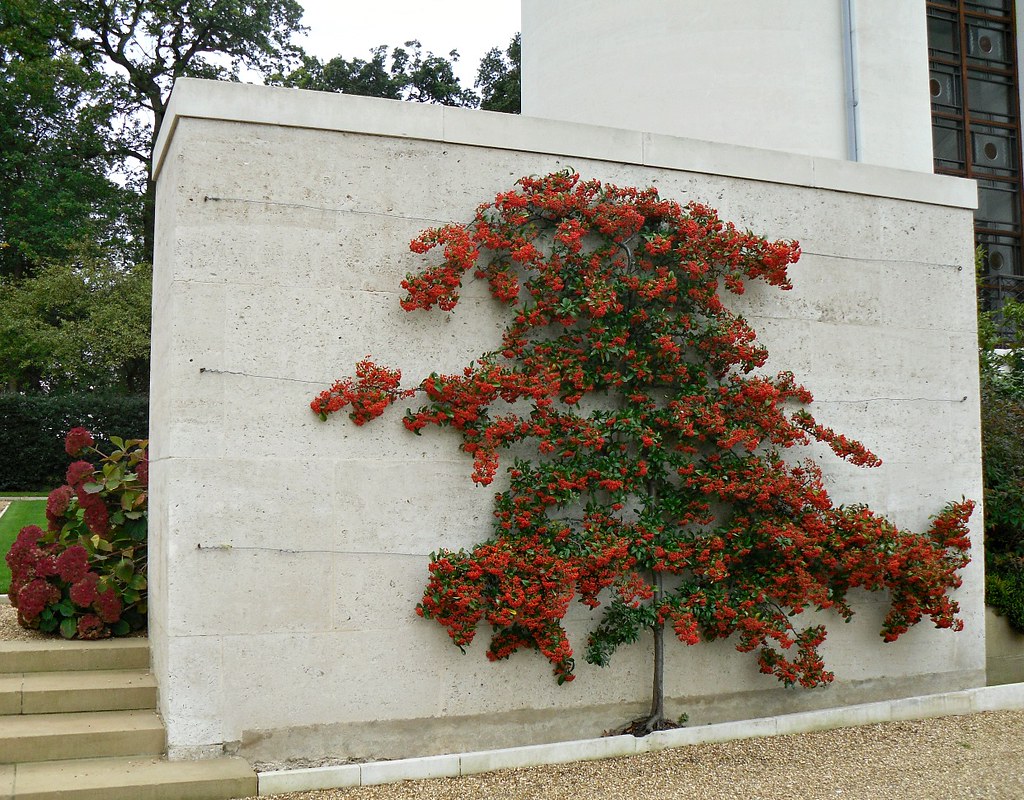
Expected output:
(976, 128)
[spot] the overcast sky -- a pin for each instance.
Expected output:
(350, 29)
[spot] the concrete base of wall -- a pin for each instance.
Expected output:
(1004, 651)
(431, 736)
(970, 701)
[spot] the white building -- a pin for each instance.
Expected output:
(899, 83)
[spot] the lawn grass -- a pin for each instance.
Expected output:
(22, 494)
(19, 514)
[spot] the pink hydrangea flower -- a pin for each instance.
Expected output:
(78, 472)
(91, 627)
(57, 505)
(97, 518)
(36, 596)
(76, 440)
(83, 593)
(73, 563)
(108, 605)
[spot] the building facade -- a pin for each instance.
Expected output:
(975, 95)
(904, 84)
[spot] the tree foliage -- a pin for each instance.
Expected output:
(651, 475)
(77, 325)
(499, 78)
(85, 89)
(56, 155)
(146, 45)
(409, 74)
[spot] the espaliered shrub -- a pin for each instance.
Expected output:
(85, 576)
(33, 426)
(656, 484)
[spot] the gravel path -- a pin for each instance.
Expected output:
(10, 630)
(977, 756)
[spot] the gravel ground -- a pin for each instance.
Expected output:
(977, 756)
(10, 630)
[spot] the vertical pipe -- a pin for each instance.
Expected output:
(852, 80)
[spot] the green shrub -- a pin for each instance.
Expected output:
(1002, 440)
(33, 426)
(1004, 587)
(85, 576)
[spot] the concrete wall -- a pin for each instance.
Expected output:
(288, 554)
(1004, 648)
(748, 72)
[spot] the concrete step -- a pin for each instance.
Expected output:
(57, 692)
(57, 655)
(129, 779)
(90, 734)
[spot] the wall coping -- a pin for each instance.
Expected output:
(268, 105)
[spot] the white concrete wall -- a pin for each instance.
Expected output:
(287, 554)
(747, 72)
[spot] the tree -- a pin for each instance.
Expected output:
(146, 45)
(656, 484)
(411, 75)
(77, 325)
(55, 156)
(499, 79)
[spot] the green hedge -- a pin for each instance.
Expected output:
(32, 429)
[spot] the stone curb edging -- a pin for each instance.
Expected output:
(4, 600)
(968, 701)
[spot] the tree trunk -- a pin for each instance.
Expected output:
(149, 197)
(657, 715)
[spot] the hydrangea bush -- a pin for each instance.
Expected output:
(85, 575)
(656, 482)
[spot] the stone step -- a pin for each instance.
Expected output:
(57, 655)
(90, 734)
(128, 779)
(57, 692)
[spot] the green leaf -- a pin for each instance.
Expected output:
(66, 608)
(93, 488)
(138, 581)
(121, 628)
(117, 441)
(68, 628)
(124, 570)
(136, 528)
